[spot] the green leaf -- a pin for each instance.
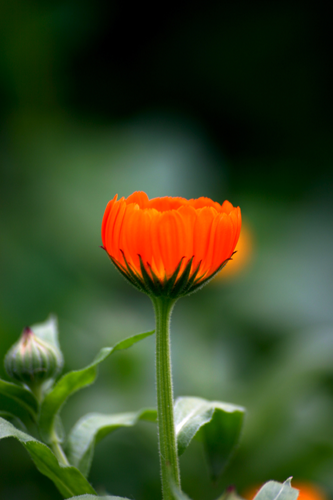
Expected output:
(13, 419)
(217, 424)
(90, 429)
(24, 397)
(67, 479)
(93, 497)
(274, 490)
(72, 382)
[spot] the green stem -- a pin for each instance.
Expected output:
(54, 444)
(59, 452)
(166, 427)
(36, 389)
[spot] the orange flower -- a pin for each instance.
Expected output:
(169, 246)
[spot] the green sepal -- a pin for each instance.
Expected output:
(91, 428)
(67, 479)
(159, 285)
(71, 383)
(173, 287)
(134, 275)
(169, 284)
(182, 281)
(153, 286)
(128, 274)
(199, 284)
(191, 280)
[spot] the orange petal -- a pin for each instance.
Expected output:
(129, 236)
(144, 235)
(109, 228)
(167, 203)
(226, 207)
(156, 261)
(223, 242)
(205, 202)
(236, 218)
(117, 215)
(210, 257)
(138, 197)
(169, 233)
(138, 241)
(201, 237)
(105, 218)
(189, 218)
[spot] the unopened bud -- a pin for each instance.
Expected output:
(32, 360)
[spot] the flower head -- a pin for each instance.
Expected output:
(169, 246)
(32, 360)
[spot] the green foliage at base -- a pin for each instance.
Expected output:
(68, 480)
(53, 463)
(90, 429)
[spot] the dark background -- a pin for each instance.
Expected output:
(221, 99)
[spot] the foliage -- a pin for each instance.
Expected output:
(217, 424)
(46, 414)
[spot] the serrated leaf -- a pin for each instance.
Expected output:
(215, 423)
(277, 491)
(67, 479)
(74, 381)
(93, 497)
(90, 429)
(13, 419)
(24, 397)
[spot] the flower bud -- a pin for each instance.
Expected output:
(32, 360)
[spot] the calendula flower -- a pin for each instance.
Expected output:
(169, 246)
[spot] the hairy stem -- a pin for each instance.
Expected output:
(166, 427)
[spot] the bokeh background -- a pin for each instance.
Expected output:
(231, 100)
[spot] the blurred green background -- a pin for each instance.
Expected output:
(230, 100)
